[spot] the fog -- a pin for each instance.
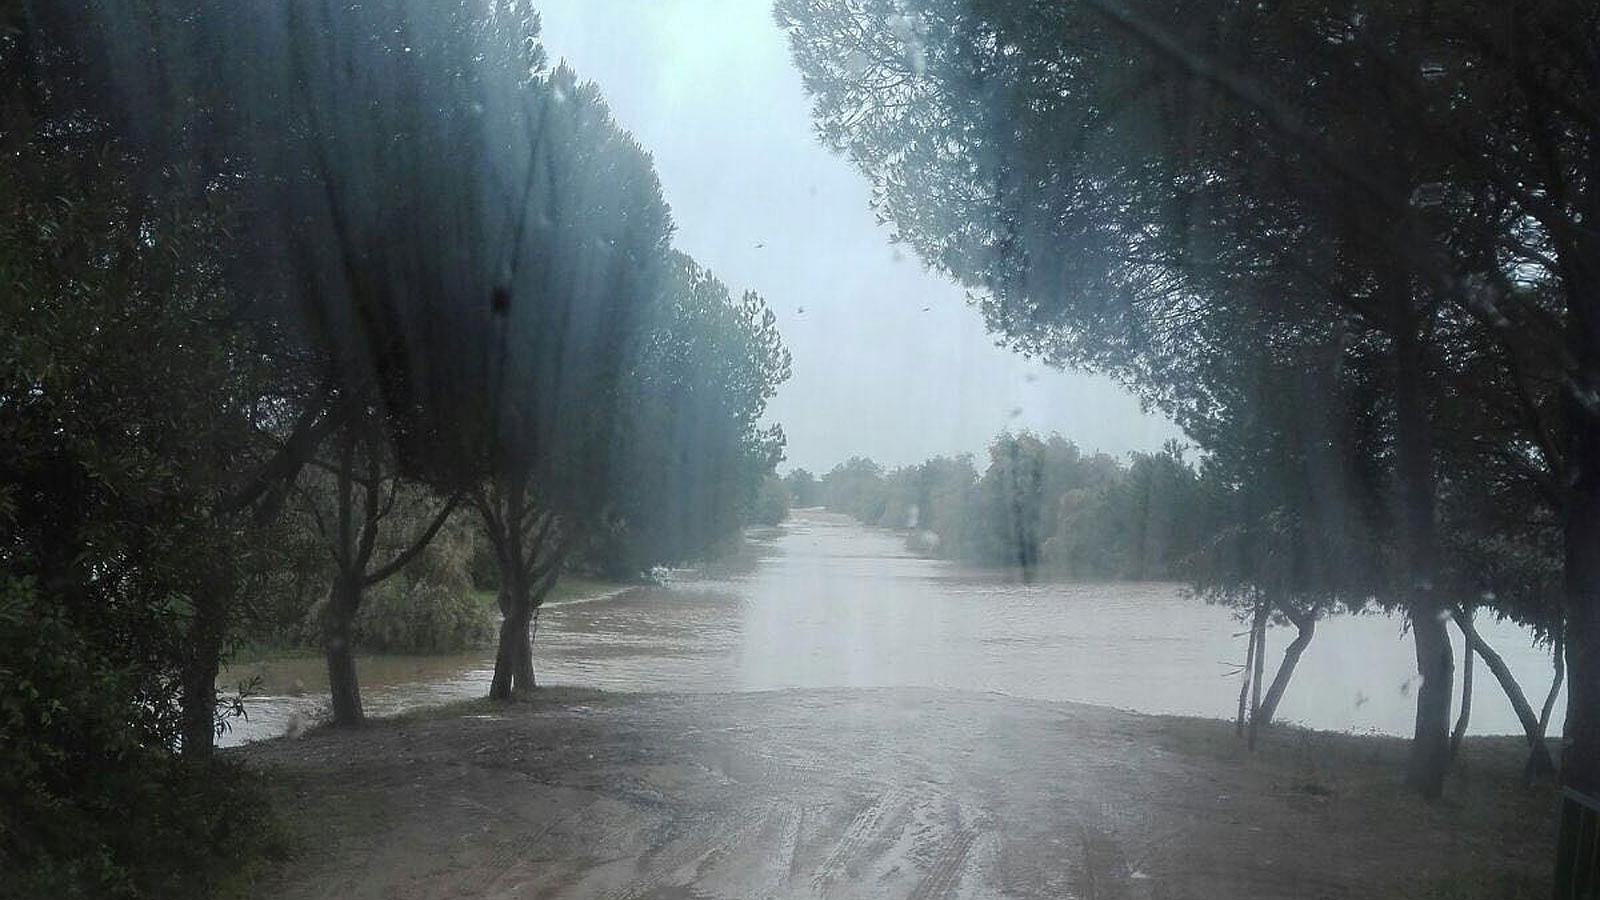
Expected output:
(889, 360)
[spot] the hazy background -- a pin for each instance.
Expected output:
(889, 361)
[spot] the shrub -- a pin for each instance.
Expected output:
(424, 616)
(771, 503)
(432, 606)
(93, 803)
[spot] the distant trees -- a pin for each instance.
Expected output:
(1040, 507)
(856, 487)
(771, 504)
(802, 488)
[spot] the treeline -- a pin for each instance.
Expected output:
(1348, 248)
(1040, 507)
(316, 314)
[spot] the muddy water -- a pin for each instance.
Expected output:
(834, 604)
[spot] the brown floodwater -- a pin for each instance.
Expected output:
(831, 603)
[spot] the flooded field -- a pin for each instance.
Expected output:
(833, 604)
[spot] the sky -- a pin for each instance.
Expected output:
(889, 360)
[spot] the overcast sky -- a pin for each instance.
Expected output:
(889, 360)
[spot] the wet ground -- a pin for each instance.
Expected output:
(901, 793)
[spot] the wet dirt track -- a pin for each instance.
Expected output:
(831, 793)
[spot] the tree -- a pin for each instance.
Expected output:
(693, 454)
(366, 498)
(1100, 176)
(1096, 173)
(802, 487)
(117, 462)
(369, 146)
(672, 460)
(856, 487)
(772, 502)
(583, 259)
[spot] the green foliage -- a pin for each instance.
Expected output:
(436, 604)
(803, 488)
(1040, 506)
(856, 487)
(127, 396)
(771, 505)
(693, 457)
(432, 606)
(92, 802)
(420, 617)
(1275, 237)
(394, 218)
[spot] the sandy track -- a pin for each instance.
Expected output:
(868, 793)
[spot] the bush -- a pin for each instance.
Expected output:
(432, 606)
(772, 502)
(424, 616)
(93, 803)
(435, 605)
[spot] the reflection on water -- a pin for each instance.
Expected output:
(833, 604)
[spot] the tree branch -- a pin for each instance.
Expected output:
(422, 541)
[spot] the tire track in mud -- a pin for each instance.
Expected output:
(785, 823)
(1105, 868)
(1257, 878)
(510, 856)
(857, 835)
(706, 844)
(794, 841)
(947, 868)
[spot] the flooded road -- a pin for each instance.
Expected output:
(832, 604)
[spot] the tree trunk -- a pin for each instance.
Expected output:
(1305, 628)
(1430, 741)
(1262, 614)
(1540, 763)
(1465, 716)
(522, 676)
(512, 653)
(198, 705)
(338, 634)
(1580, 265)
(1580, 758)
(1539, 755)
(513, 659)
(1558, 656)
(1244, 686)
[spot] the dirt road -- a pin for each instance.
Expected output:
(880, 793)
